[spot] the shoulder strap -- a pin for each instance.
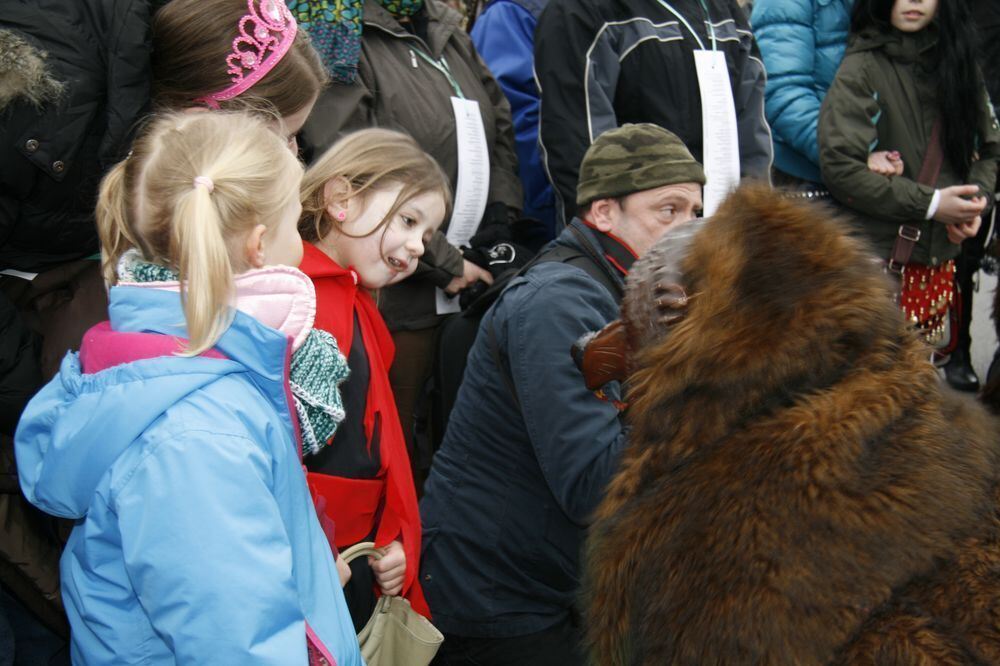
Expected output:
(933, 158)
(907, 235)
(584, 258)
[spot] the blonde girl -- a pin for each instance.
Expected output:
(170, 438)
(370, 204)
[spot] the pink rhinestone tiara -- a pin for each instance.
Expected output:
(264, 37)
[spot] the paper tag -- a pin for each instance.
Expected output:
(445, 304)
(473, 186)
(720, 136)
(19, 274)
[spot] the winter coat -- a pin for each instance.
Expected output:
(802, 43)
(817, 496)
(884, 98)
(504, 36)
(987, 16)
(602, 64)
(512, 487)
(398, 89)
(75, 78)
(196, 539)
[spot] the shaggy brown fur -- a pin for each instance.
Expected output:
(799, 487)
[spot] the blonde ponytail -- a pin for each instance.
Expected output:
(113, 221)
(151, 202)
(205, 269)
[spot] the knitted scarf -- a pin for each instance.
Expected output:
(334, 26)
(317, 366)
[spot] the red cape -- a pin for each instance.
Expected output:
(338, 298)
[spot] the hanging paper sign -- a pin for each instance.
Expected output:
(473, 186)
(720, 136)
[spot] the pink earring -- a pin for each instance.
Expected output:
(341, 215)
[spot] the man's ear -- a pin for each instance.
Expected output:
(603, 214)
(336, 196)
(255, 246)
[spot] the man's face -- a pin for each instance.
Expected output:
(643, 217)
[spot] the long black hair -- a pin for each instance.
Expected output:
(956, 73)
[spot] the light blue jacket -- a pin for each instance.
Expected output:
(196, 540)
(802, 43)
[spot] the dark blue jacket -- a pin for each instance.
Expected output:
(512, 489)
(802, 43)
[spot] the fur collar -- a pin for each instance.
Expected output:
(24, 72)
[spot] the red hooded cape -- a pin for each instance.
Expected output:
(353, 504)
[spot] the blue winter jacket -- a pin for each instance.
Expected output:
(196, 541)
(512, 489)
(504, 36)
(802, 43)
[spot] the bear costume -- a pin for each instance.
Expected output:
(799, 487)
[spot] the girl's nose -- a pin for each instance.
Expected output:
(415, 245)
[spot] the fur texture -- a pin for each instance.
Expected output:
(799, 487)
(24, 73)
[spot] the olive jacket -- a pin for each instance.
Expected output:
(884, 97)
(397, 88)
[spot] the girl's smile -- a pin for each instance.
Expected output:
(383, 254)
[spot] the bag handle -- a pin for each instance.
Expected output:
(360, 550)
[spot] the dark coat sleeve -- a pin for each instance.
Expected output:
(577, 438)
(756, 150)
(562, 39)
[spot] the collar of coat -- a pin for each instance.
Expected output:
(442, 23)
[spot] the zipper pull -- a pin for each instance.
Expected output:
(413, 59)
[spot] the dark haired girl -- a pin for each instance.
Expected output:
(909, 83)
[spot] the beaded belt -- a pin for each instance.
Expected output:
(926, 296)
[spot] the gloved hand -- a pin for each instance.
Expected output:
(495, 227)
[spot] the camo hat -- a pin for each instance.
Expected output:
(633, 158)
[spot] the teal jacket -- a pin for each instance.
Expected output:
(802, 43)
(196, 541)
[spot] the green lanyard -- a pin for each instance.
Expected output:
(441, 66)
(708, 19)
(711, 26)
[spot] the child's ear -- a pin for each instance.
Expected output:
(255, 246)
(337, 195)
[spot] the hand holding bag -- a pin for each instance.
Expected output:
(396, 635)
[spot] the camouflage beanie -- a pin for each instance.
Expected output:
(633, 158)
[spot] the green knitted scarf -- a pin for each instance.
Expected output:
(317, 367)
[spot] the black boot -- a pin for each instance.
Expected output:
(958, 370)
(959, 373)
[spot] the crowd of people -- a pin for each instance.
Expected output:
(236, 235)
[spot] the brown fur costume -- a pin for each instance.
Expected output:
(799, 487)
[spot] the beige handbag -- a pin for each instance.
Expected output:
(396, 635)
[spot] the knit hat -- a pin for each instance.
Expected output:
(633, 158)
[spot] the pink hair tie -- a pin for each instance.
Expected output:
(262, 40)
(205, 182)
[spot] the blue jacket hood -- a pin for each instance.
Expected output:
(78, 424)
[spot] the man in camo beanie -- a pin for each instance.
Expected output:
(524, 406)
(633, 158)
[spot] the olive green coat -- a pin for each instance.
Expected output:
(884, 97)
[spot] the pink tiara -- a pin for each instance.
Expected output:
(263, 40)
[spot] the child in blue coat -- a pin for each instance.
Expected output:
(172, 438)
